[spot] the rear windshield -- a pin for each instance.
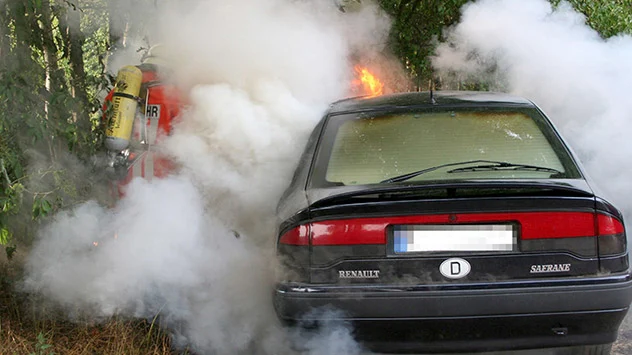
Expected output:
(360, 149)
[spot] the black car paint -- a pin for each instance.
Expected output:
(470, 317)
(326, 261)
(297, 195)
(589, 302)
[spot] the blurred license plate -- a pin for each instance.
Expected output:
(429, 238)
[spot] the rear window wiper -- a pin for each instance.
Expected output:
(491, 165)
(505, 166)
(407, 176)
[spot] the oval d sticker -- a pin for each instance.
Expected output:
(455, 268)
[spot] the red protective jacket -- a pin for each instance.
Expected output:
(161, 105)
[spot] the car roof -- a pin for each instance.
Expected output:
(425, 98)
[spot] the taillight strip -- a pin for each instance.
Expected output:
(544, 225)
(608, 225)
(296, 236)
(533, 225)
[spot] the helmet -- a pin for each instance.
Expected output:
(155, 55)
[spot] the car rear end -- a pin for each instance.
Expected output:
(471, 257)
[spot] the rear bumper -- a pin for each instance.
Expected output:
(535, 331)
(510, 315)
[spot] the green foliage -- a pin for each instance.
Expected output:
(419, 24)
(10, 199)
(42, 347)
(41, 207)
(5, 236)
(608, 17)
(42, 116)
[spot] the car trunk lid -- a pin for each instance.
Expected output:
(456, 233)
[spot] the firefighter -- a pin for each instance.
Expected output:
(138, 113)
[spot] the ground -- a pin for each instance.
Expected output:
(623, 346)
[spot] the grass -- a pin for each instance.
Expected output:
(27, 328)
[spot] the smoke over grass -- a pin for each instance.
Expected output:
(256, 75)
(549, 55)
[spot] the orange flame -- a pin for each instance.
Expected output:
(368, 82)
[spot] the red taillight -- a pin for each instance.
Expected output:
(532, 226)
(608, 225)
(296, 236)
(544, 225)
(350, 231)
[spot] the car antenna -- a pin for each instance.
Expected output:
(432, 99)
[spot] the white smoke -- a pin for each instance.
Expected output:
(551, 56)
(257, 75)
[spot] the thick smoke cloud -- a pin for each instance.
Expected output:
(256, 75)
(551, 56)
(582, 81)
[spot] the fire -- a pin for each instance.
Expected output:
(368, 82)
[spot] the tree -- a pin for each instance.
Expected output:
(73, 41)
(47, 111)
(608, 17)
(419, 24)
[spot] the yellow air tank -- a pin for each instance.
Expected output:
(124, 105)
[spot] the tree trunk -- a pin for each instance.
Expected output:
(70, 25)
(55, 109)
(25, 31)
(4, 30)
(54, 77)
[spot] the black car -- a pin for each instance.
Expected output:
(450, 221)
